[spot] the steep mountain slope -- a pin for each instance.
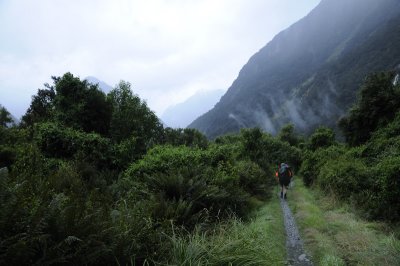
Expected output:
(184, 113)
(309, 73)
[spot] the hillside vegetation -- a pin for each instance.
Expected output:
(95, 179)
(365, 172)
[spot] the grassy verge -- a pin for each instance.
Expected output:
(260, 241)
(334, 235)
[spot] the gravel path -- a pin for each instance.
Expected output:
(294, 245)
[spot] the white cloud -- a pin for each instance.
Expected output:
(168, 49)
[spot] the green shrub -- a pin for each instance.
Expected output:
(382, 200)
(384, 141)
(189, 185)
(309, 169)
(313, 162)
(275, 152)
(376, 107)
(162, 159)
(322, 137)
(344, 176)
(189, 137)
(61, 142)
(287, 133)
(7, 156)
(253, 179)
(189, 195)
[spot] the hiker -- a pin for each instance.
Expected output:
(284, 176)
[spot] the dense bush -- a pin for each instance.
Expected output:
(365, 174)
(194, 181)
(322, 137)
(96, 180)
(344, 176)
(381, 199)
(268, 151)
(253, 179)
(7, 156)
(287, 133)
(189, 137)
(57, 141)
(378, 102)
(314, 161)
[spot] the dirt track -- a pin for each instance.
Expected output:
(294, 245)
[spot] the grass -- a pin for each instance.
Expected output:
(334, 235)
(260, 241)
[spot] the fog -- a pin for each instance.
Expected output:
(167, 50)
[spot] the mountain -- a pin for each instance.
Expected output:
(102, 85)
(309, 74)
(180, 115)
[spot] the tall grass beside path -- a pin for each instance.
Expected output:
(260, 241)
(334, 235)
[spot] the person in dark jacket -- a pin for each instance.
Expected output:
(284, 176)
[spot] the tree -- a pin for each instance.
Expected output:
(189, 137)
(71, 102)
(5, 117)
(378, 102)
(41, 108)
(132, 118)
(252, 140)
(322, 137)
(287, 134)
(81, 105)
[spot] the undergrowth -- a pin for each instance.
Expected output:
(260, 241)
(335, 235)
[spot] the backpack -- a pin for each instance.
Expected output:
(284, 171)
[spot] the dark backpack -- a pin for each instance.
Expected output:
(284, 171)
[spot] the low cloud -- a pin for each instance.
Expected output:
(168, 50)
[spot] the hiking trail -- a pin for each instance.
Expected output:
(294, 244)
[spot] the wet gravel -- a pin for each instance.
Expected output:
(294, 244)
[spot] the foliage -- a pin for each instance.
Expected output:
(71, 102)
(41, 107)
(370, 183)
(287, 133)
(57, 141)
(335, 235)
(382, 198)
(188, 136)
(344, 175)
(365, 175)
(376, 107)
(266, 150)
(5, 117)
(7, 156)
(235, 242)
(116, 189)
(322, 137)
(132, 118)
(253, 179)
(197, 180)
(384, 142)
(314, 161)
(62, 201)
(81, 105)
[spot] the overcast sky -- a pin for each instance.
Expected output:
(167, 49)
